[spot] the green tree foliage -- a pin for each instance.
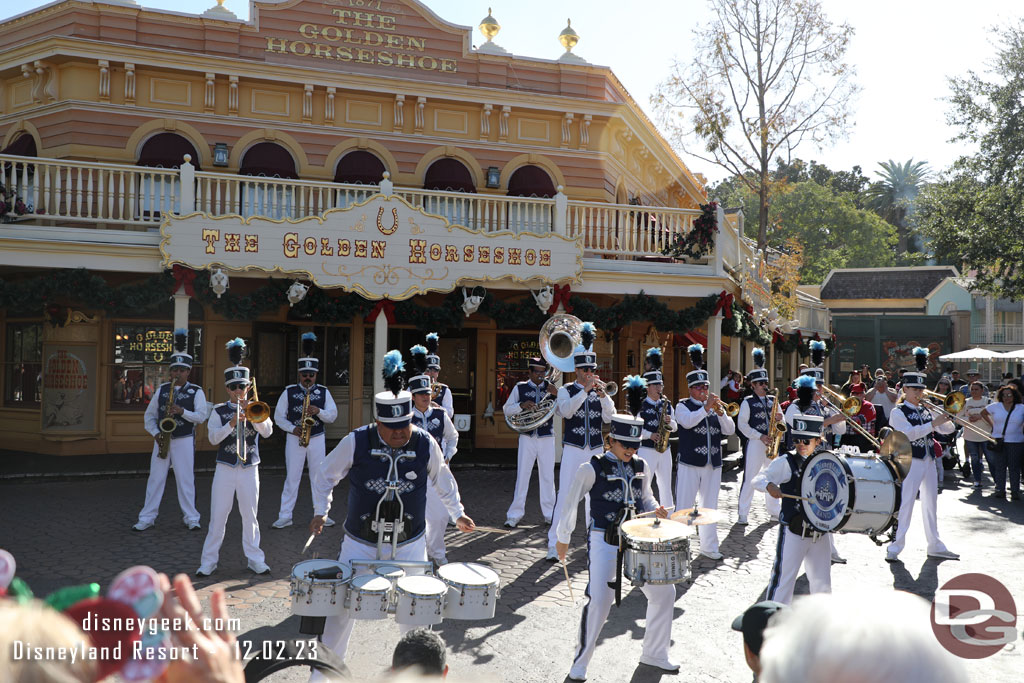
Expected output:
(894, 198)
(975, 214)
(768, 76)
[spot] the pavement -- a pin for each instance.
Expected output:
(68, 532)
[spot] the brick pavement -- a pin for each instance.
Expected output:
(69, 532)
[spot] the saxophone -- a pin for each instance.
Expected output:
(661, 438)
(776, 429)
(167, 425)
(306, 422)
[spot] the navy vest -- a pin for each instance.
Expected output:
(527, 392)
(791, 506)
(297, 396)
(227, 450)
(183, 396)
(441, 394)
(583, 429)
(368, 479)
(434, 424)
(701, 443)
(606, 497)
(922, 446)
(650, 413)
(759, 414)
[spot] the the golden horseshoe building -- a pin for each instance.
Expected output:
(351, 167)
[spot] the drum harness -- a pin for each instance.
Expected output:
(612, 535)
(389, 519)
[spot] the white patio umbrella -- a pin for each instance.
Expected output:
(1012, 355)
(975, 354)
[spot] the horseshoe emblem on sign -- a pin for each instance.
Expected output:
(394, 223)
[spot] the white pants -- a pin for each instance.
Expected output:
(790, 552)
(180, 456)
(921, 475)
(706, 481)
(598, 601)
(436, 517)
(572, 458)
(661, 466)
(540, 450)
(294, 457)
(229, 483)
(755, 460)
(338, 630)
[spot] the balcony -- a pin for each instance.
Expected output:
(1001, 334)
(120, 197)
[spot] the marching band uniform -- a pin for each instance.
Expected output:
(805, 546)
(535, 446)
(181, 452)
(444, 398)
(435, 421)
(584, 413)
(817, 407)
(364, 458)
(235, 477)
(661, 463)
(916, 423)
(288, 416)
(699, 469)
(753, 420)
(607, 501)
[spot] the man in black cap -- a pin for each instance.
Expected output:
(752, 624)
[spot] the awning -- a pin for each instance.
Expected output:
(695, 337)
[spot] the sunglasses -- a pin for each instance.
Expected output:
(802, 441)
(307, 374)
(235, 386)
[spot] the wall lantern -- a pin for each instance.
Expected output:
(220, 154)
(493, 177)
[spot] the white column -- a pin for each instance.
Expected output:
(187, 173)
(180, 308)
(718, 263)
(714, 352)
(561, 217)
(990, 319)
(735, 352)
(380, 347)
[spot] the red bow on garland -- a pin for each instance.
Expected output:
(184, 277)
(724, 305)
(562, 293)
(385, 305)
(776, 337)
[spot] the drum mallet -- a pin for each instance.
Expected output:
(565, 568)
(790, 495)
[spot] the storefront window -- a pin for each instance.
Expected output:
(514, 353)
(141, 357)
(23, 365)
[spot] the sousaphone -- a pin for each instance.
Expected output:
(559, 338)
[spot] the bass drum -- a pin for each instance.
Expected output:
(857, 494)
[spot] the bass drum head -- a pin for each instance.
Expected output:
(825, 482)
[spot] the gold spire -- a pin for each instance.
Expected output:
(568, 37)
(489, 26)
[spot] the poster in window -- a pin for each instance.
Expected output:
(69, 388)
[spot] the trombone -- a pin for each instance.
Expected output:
(254, 411)
(848, 407)
(953, 403)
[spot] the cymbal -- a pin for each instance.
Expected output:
(702, 516)
(896, 446)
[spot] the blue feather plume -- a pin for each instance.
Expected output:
(817, 345)
(921, 358)
(806, 381)
(393, 367)
(181, 339)
(636, 390)
(758, 355)
(419, 359)
(432, 342)
(817, 352)
(235, 349)
(308, 342)
(654, 358)
(696, 352)
(805, 388)
(587, 334)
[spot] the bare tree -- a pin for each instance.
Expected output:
(768, 75)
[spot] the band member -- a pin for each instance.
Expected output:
(799, 543)
(434, 420)
(237, 474)
(537, 445)
(288, 416)
(753, 421)
(834, 424)
(585, 406)
(444, 397)
(916, 421)
(651, 413)
(618, 482)
(392, 458)
(189, 409)
(701, 429)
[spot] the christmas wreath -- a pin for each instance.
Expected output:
(700, 240)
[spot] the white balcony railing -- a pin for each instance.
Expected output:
(1000, 334)
(120, 196)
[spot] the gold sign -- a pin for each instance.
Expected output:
(381, 248)
(362, 33)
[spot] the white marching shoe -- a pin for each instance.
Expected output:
(663, 664)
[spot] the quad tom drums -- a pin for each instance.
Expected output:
(850, 493)
(472, 590)
(318, 588)
(657, 551)
(419, 600)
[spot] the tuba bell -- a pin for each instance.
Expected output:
(559, 338)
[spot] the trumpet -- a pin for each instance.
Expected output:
(723, 408)
(608, 389)
(435, 390)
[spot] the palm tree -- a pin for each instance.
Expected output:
(894, 195)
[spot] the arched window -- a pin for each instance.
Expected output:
(450, 175)
(22, 146)
(160, 192)
(530, 181)
(358, 167)
(265, 197)
(18, 177)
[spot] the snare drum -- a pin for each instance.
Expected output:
(856, 494)
(390, 573)
(472, 590)
(369, 596)
(319, 597)
(419, 600)
(657, 551)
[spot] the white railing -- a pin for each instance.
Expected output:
(1001, 334)
(487, 213)
(222, 194)
(627, 230)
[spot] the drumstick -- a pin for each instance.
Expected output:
(309, 542)
(653, 512)
(565, 568)
(790, 495)
(491, 529)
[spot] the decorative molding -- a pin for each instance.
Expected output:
(79, 318)
(233, 95)
(273, 102)
(485, 121)
(44, 81)
(357, 111)
(167, 91)
(450, 121)
(567, 128)
(210, 95)
(329, 105)
(535, 130)
(129, 83)
(421, 104)
(585, 131)
(307, 103)
(506, 111)
(104, 66)
(399, 113)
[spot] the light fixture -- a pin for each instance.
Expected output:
(297, 292)
(220, 154)
(493, 176)
(218, 281)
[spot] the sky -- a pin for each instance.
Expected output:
(903, 51)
